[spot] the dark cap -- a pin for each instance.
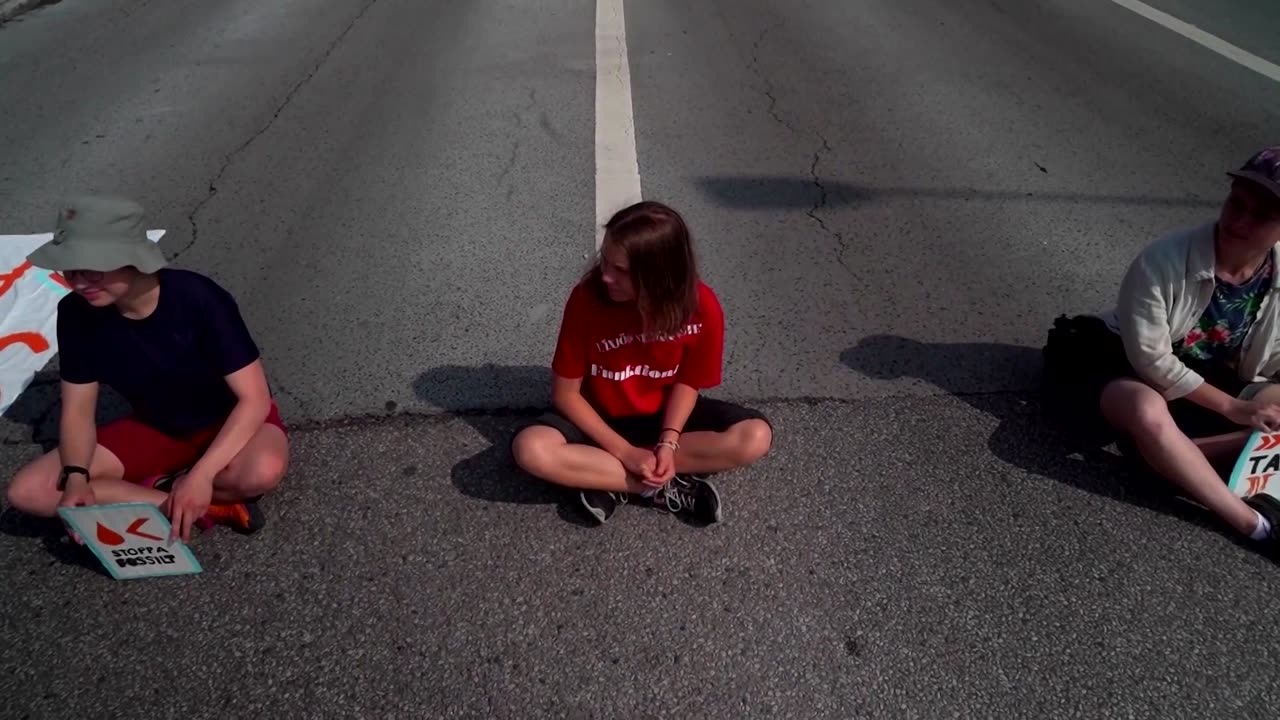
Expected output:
(1263, 168)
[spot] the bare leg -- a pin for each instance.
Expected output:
(710, 452)
(543, 452)
(1220, 448)
(256, 470)
(1224, 449)
(1139, 411)
(107, 492)
(34, 490)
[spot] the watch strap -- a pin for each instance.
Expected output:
(67, 472)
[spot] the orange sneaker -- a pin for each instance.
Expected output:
(245, 518)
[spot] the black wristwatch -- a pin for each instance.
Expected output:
(67, 472)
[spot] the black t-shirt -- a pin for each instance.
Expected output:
(172, 365)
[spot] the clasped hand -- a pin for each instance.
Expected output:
(655, 468)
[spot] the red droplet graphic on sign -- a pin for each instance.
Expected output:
(107, 536)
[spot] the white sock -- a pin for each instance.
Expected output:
(1263, 530)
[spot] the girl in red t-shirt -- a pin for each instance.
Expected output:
(640, 337)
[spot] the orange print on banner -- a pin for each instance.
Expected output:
(9, 279)
(33, 340)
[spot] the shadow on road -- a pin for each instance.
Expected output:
(1026, 437)
(38, 408)
(491, 475)
(51, 534)
(770, 192)
(39, 405)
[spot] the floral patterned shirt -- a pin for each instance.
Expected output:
(1217, 337)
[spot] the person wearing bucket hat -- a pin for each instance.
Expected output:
(205, 439)
(1185, 366)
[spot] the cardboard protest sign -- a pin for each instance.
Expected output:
(1258, 466)
(28, 313)
(131, 540)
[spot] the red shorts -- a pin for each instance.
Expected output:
(146, 452)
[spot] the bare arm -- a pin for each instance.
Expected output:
(1210, 397)
(1143, 315)
(78, 433)
(253, 403)
(566, 397)
(680, 402)
(679, 405)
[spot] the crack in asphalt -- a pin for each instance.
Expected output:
(518, 114)
(288, 98)
(15, 12)
(842, 246)
(754, 66)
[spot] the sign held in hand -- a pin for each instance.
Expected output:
(130, 540)
(1258, 466)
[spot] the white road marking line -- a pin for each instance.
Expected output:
(1213, 42)
(617, 169)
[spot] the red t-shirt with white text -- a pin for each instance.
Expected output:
(625, 373)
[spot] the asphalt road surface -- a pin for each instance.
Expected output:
(893, 199)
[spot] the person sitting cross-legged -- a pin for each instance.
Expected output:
(641, 336)
(205, 439)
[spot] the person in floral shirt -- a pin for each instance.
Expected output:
(1221, 329)
(1186, 365)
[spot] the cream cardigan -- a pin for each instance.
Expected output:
(1164, 293)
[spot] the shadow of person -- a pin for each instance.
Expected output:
(769, 192)
(52, 536)
(37, 409)
(39, 406)
(510, 394)
(1028, 436)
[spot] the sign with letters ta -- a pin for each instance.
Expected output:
(1258, 468)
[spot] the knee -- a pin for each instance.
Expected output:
(755, 438)
(532, 451)
(1139, 413)
(258, 475)
(29, 493)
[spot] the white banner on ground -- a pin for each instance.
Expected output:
(28, 313)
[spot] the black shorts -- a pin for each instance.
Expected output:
(709, 415)
(1092, 356)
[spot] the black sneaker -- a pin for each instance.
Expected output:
(163, 483)
(686, 495)
(1269, 508)
(600, 504)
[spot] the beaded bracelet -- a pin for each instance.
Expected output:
(668, 443)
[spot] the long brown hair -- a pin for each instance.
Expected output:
(664, 270)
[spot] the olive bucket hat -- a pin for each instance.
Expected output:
(99, 233)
